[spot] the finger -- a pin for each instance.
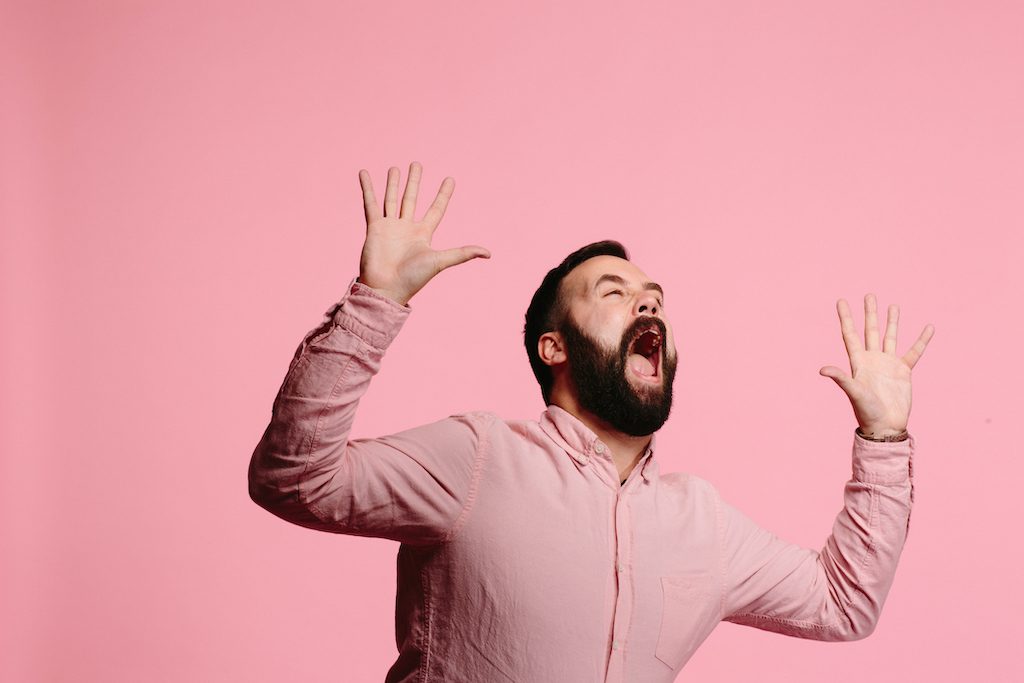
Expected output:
(891, 325)
(453, 257)
(370, 207)
(849, 329)
(870, 323)
(391, 193)
(845, 381)
(412, 186)
(914, 354)
(436, 211)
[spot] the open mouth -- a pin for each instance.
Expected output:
(644, 357)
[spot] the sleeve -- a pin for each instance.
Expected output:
(837, 593)
(412, 486)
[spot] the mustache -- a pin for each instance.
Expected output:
(642, 323)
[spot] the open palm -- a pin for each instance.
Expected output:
(879, 384)
(397, 258)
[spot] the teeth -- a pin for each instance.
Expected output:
(647, 342)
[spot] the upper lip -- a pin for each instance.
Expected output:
(647, 326)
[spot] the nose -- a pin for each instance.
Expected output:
(646, 304)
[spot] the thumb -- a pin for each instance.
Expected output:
(844, 381)
(853, 390)
(840, 377)
(453, 257)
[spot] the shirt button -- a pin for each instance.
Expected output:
(599, 448)
(616, 644)
(619, 566)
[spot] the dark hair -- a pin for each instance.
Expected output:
(548, 309)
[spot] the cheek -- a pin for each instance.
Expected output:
(606, 329)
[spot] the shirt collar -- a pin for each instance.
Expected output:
(582, 444)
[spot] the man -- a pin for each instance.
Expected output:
(553, 550)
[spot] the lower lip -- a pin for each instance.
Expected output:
(649, 379)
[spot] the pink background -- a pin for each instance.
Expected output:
(180, 205)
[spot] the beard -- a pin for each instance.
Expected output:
(602, 388)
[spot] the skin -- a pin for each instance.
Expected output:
(397, 261)
(605, 311)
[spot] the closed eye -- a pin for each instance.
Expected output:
(661, 304)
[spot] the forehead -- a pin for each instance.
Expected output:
(580, 281)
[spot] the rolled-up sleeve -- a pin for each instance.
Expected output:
(836, 593)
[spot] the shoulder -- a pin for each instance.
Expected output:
(514, 434)
(471, 427)
(489, 426)
(689, 485)
(480, 423)
(494, 422)
(478, 416)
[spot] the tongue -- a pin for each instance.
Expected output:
(641, 365)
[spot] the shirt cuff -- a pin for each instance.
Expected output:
(882, 462)
(369, 315)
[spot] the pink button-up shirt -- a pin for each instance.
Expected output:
(522, 558)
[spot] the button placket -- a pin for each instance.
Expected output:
(623, 601)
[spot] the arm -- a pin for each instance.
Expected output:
(412, 486)
(837, 593)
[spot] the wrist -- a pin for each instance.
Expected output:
(399, 299)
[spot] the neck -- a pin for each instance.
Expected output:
(626, 450)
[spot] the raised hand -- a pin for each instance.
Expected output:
(397, 259)
(879, 387)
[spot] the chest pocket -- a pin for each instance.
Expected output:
(690, 611)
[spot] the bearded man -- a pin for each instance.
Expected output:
(554, 550)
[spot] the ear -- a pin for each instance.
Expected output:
(551, 348)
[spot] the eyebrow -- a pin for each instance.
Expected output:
(607, 277)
